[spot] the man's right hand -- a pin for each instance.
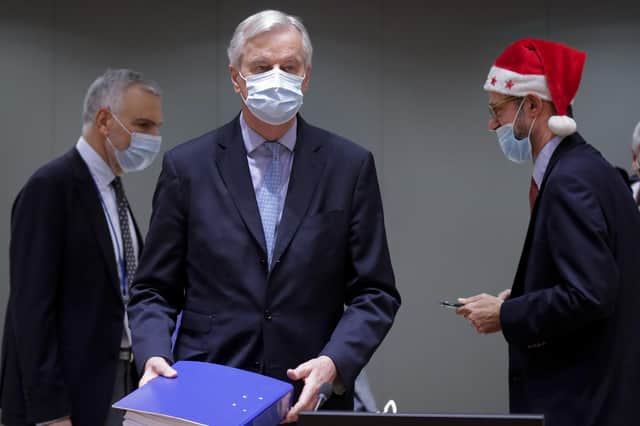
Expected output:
(154, 367)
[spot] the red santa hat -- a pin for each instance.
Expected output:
(550, 70)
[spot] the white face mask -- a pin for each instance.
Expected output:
(141, 152)
(275, 96)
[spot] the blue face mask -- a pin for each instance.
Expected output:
(141, 152)
(516, 150)
(274, 96)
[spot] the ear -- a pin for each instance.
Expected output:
(533, 104)
(103, 120)
(307, 78)
(234, 74)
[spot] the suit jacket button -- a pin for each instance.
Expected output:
(267, 315)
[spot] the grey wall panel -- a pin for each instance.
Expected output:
(26, 116)
(606, 106)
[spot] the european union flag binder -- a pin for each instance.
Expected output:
(210, 395)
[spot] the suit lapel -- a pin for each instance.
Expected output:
(308, 163)
(137, 230)
(90, 199)
(231, 160)
(565, 146)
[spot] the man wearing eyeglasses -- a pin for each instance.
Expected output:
(570, 317)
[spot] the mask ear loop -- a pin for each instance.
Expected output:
(513, 124)
(119, 122)
(531, 129)
(113, 147)
(245, 82)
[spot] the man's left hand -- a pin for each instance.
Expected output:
(483, 311)
(315, 373)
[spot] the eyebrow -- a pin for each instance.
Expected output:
(147, 121)
(262, 60)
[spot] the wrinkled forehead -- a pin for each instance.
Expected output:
(495, 97)
(283, 44)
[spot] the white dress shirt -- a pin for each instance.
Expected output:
(259, 158)
(103, 176)
(542, 160)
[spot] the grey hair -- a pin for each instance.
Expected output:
(107, 90)
(635, 142)
(263, 22)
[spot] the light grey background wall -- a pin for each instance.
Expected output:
(402, 78)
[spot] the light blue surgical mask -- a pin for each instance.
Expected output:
(275, 96)
(516, 150)
(141, 152)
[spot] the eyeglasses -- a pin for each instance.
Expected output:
(494, 107)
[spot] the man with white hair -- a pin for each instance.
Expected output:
(268, 235)
(74, 247)
(635, 164)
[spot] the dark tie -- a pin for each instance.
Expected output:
(533, 193)
(127, 242)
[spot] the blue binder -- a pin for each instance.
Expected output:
(212, 395)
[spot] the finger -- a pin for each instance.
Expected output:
(165, 370)
(146, 377)
(306, 401)
(465, 310)
(155, 368)
(467, 300)
(300, 372)
(468, 309)
(290, 418)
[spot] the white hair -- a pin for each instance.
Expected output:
(263, 22)
(106, 91)
(635, 142)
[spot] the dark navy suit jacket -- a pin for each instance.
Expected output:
(205, 256)
(572, 322)
(65, 314)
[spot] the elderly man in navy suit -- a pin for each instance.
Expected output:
(571, 317)
(268, 235)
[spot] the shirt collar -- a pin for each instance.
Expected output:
(252, 140)
(99, 169)
(542, 161)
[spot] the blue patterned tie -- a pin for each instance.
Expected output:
(269, 197)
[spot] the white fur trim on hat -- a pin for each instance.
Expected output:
(562, 125)
(507, 82)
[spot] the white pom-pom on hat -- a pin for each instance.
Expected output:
(562, 125)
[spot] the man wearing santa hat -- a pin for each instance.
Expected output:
(571, 318)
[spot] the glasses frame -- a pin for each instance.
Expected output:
(493, 112)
